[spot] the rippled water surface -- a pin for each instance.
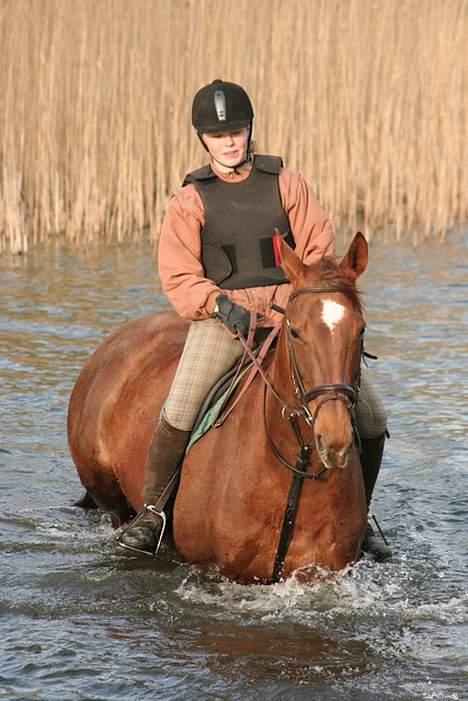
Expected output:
(82, 620)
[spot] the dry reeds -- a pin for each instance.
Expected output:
(367, 98)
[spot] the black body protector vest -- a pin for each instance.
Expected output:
(240, 220)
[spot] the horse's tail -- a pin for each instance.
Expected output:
(86, 501)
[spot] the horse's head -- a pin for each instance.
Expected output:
(323, 329)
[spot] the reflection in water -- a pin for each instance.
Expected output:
(82, 620)
(297, 654)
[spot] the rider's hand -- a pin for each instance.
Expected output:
(233, 316)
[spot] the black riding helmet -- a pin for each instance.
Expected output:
(221, 106)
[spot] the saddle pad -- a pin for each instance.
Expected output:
(214, 411)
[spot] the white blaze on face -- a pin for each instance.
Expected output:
(332, 313)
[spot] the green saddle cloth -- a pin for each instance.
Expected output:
(214, 411)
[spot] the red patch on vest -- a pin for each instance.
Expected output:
(276, 251)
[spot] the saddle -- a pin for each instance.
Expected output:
(212, 412)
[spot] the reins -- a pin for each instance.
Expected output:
(257, 360)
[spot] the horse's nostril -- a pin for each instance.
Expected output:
(319, 443)
(331, 455)
(342, 458)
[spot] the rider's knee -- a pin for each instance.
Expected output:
(371, 415)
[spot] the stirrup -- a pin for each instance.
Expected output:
(151, 508)
(162, 516)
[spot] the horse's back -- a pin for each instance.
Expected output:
(116, 401)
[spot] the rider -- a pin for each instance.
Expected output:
(217, 261)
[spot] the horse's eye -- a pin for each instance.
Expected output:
(295, 333)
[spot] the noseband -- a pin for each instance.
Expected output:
(333, 391)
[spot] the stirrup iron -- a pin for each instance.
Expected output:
(134, 523)
(162, 516)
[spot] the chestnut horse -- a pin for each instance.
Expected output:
(235, 481)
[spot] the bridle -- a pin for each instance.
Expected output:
(334, 391)
(339, 391)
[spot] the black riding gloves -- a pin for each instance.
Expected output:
(233, 316)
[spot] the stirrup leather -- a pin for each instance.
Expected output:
(376, 544)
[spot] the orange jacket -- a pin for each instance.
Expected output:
(182, 275)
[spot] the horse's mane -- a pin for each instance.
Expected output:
(331, 275)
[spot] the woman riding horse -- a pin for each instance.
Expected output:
(218, 262)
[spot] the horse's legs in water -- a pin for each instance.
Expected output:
(86, 501)
(120, 511)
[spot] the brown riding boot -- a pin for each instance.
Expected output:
(371, 457)
(145, 532)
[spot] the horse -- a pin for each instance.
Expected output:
(277, 488)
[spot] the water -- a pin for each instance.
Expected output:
(82, 620)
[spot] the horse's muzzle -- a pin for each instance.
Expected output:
(331, 456)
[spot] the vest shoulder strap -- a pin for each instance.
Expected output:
(204, 173)
(268, 164)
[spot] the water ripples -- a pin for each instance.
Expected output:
(82, 620)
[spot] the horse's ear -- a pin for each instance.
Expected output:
(355, 261)
(288, 259)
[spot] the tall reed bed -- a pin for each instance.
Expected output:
(367, 98)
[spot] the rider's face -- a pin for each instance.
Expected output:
(228, 147)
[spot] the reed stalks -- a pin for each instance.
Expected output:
(367, 98)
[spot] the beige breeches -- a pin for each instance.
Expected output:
(210, 351)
